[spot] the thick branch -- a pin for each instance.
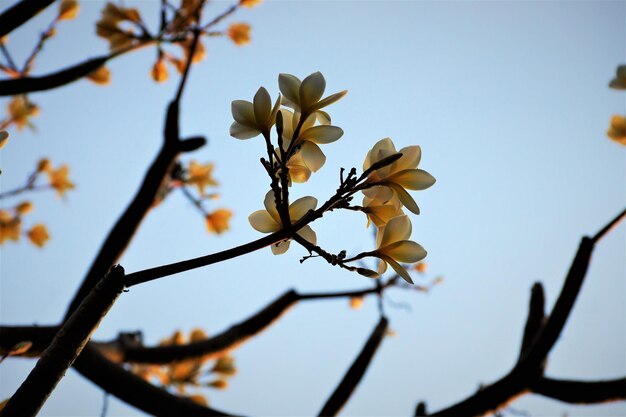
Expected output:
(352, 378)
(135, 391)
(20, 13)
(24, 85)
(529, 368)
(65, 347)
(579, 392)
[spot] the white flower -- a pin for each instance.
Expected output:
(252, 119)
(304, 96)
(268, 220)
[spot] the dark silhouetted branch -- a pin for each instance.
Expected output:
(24, 85)
(65, 347)
(39, 336)
(352, 378)
(18, 14)
(581, 392)
(529, 368)
(125, 228)
(133, 390)
(535, 319)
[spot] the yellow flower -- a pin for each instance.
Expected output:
(309, 138)
(393, 246)
(24, 208)
(217, 222)
(38, 235)
(197, 335)
(68, 9)
(356, 302)
(218, 384)
(10, 227)
(252, 119)
(268, 220)
(20, 110)
(4, 138)
(44, 165)
(100, 76)
(619, 82)
(159, 71)
(59, 179)
(617, 130)
(201, 175)
(198, 55)
(249, 3)
(304, 96)
(396, 177)
(381, 214)
(107, 27)
(225, 366)
(239, 33)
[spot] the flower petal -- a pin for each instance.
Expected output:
(281, 247)
(311, 90)
(397, 229)
(239, 131)
(270, 205)
(322, 134)
(300, 207)
(243, 112)
(411, 156)
(413, 179)
(262, 104)
(405, 198)
(261, 221)
(299, 173)
(322, 117)
(308, 234)
(312, 156)
(329, 100)
(289, 86)
(404, 251)
(399, 269)
(381, 267)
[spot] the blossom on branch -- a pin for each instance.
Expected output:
(268, 220)
(252, 119)
(306, 96)
(393, 246)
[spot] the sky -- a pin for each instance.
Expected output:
(509, 103)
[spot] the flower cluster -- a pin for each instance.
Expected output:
(19, 112)
(181, 375)
(11, 226)
(124, 29)
(300, 130)
(617, 127)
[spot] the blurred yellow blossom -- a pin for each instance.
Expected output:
(421, 267)
(4, 138)
(59, 180)
(218, 384)
(197, 334)
(159, 71)
(100, 76)
(617, 129)
(396, 177)
(38, 235)
(199, 399)
(304, 96)
(201, 175)
(225, 365)
(252, 119)
(619, 82)
(44, 165)
(24, 208)
(250, 3)
(393, 246)
(108, 25)
(268, 220)
(217, 221)
(356, 302)
(68, 9)
(20, 110)
(239, 33)
(10, 227)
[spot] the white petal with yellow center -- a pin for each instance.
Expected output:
(289, 86)
(261, 221)
(262, 104)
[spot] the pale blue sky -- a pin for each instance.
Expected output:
(509, 102)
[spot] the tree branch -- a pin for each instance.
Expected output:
(20, 13)
(535, 320)
(352, 378)
(529, 367)
(65, 347)
(581, 392)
